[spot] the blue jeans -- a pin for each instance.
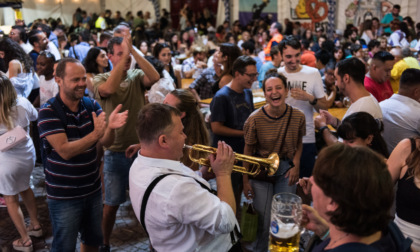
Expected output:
(263, 195)
(116, 170)
(307, 160)
(69, 217)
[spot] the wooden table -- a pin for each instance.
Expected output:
(258, 98)
(186, 82)
(338, 112)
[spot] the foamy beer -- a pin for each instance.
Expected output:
(286, 214)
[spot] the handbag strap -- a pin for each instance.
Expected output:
(287, 127)
(149, 191)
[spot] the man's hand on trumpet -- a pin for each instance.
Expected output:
(222, 162)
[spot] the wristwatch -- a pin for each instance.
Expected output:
(314, 101)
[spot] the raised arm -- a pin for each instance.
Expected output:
(151, 76)
(113, 82)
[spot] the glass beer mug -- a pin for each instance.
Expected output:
(285, 229)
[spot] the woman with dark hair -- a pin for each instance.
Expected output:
(17, 164)
(144, 48)
(192, 119)
(366, 33)
(338, 54)
(20, 69)
(307, 35)
(162, 52)
(184, 43)
(230, 38)
(225, 56)
(361, 129)
(274, 128)
(173, 43)
(163, 86)
(404, 166)
(96, 62)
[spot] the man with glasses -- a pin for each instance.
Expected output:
(230, 108)
(306, 93)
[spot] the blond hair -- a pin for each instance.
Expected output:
(7, 101)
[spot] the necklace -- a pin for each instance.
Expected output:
(332, 243)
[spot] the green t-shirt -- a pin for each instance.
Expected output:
(131, 95)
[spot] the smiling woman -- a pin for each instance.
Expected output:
(96, 62)
(279, 128)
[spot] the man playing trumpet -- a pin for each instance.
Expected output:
(181, 213)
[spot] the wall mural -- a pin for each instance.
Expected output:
(250, 10)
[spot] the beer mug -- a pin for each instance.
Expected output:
(285, 229)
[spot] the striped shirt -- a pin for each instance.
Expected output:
(79, 176)
(265, 133)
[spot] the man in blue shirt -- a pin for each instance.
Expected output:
(80, 50)
(230, 108)
(70, 126)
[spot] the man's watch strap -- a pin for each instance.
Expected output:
(314, 102)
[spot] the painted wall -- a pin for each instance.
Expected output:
(287, 9)
(33, 9)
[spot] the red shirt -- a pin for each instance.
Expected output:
(379, 91)
(308, 58)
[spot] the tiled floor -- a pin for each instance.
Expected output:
(128, 235)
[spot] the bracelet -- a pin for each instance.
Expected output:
(325, 236)
(321, 130)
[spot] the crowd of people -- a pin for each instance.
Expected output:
(106, 111)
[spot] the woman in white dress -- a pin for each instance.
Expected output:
(16, 164)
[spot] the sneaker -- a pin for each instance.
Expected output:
(104, 248)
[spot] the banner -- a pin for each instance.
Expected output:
(254, 9)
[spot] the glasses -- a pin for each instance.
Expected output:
(252, 75)
(46, 54)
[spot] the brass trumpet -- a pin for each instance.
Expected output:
(270, 164)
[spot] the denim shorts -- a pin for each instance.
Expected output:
(69, 217)
(116, 170)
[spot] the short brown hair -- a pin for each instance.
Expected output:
(153, 120)
(358, 180)
(61, 67)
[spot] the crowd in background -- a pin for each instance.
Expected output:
(198, 51)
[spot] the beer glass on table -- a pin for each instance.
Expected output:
(285, 229)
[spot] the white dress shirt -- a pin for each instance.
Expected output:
(180, 214)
